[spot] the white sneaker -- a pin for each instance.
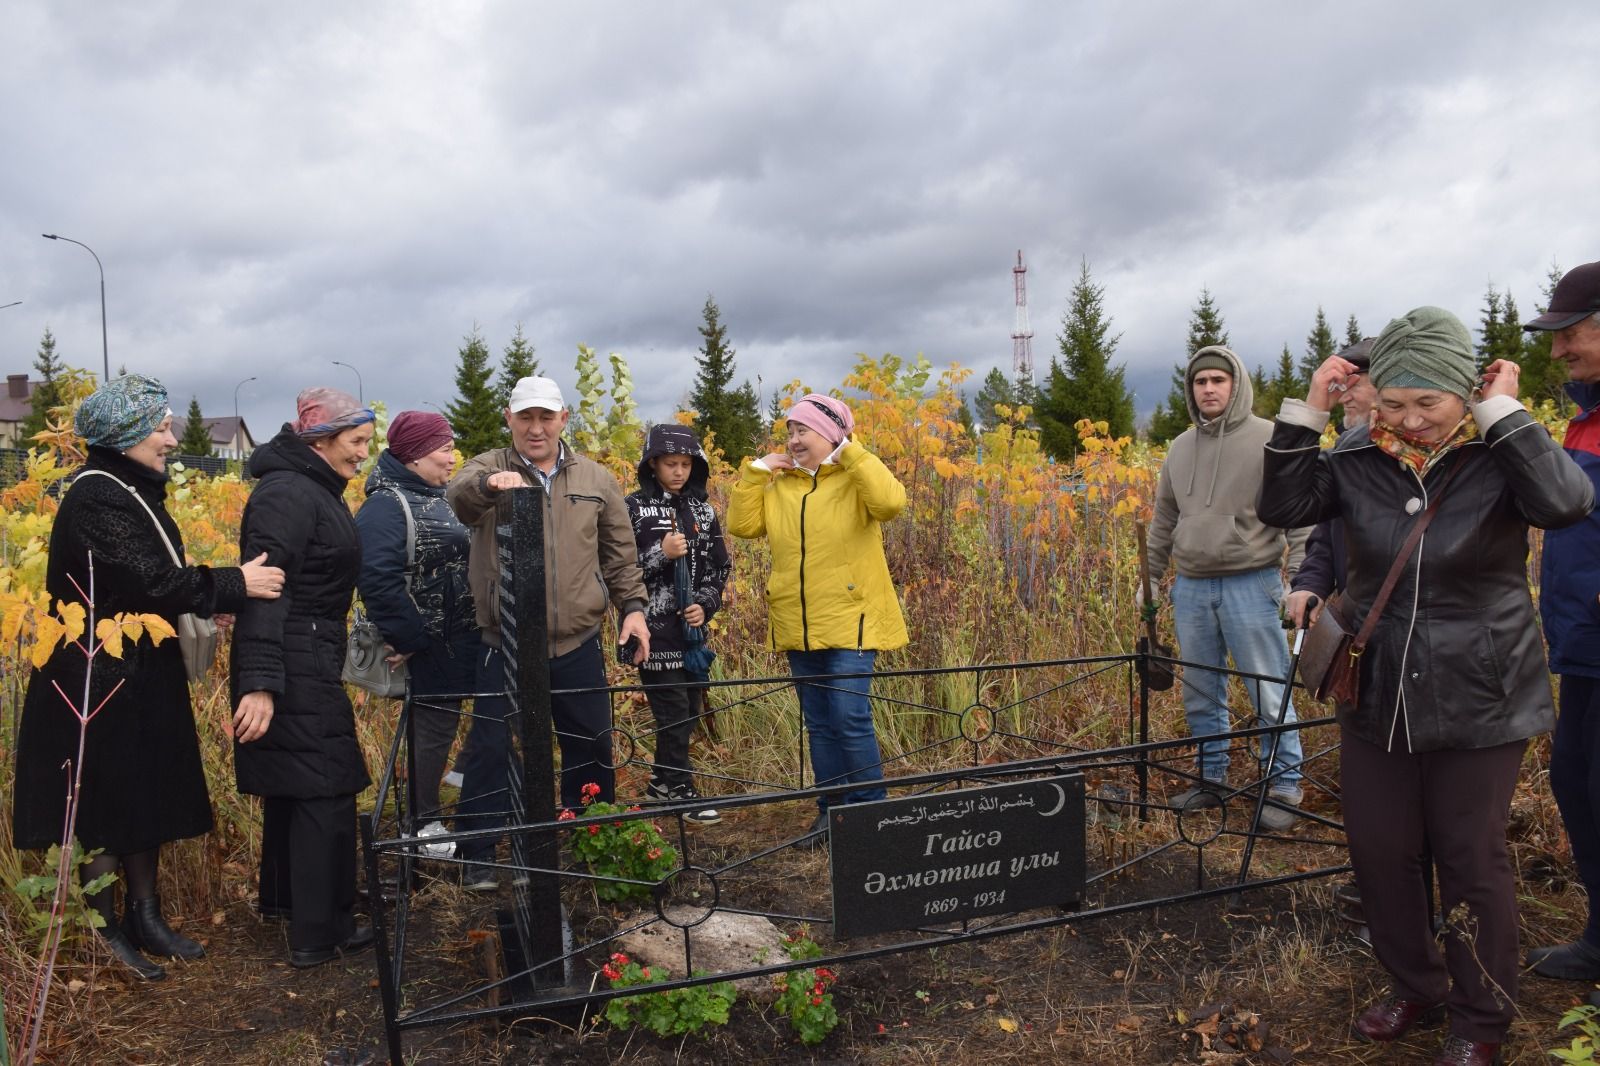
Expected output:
(442, 850)
(453, 779)
(707, 816)
(1277, 815)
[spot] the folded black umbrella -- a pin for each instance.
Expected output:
(697, 657)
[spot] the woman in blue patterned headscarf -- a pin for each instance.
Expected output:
(142, 780)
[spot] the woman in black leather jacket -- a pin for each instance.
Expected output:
(1454, 680)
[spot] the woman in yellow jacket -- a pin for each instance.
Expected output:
(831, 604)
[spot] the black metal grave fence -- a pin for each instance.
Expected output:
(989, 743)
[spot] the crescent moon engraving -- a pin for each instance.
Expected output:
(1061, 801)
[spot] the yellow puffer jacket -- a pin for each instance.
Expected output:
(830, 586)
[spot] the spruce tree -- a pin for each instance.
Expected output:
(516, 362)
(1057, 437)
(1508, 345)
(46, 392)
(997, 389)
(733, 414)
(475, 414)
(1542, 377)
(1027, 394)
(1284, 384)
(1489, 325)
(1319, 345)
(1083, 383)
(196, 439)
(746, 428)
(1260, 386)
(1500, 336)
(1206, 328)
(1352, 332)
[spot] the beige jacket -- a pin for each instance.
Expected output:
(589, 554)
(1205, 522)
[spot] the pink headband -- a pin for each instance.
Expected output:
(824, 415)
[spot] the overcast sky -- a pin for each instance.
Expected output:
(275, 186)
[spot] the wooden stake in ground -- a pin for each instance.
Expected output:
(1157, 675)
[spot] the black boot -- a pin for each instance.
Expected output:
(146, 928)
(129, 955)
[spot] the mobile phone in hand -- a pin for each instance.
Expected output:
(627, 650)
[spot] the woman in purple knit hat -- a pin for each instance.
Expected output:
(413, 585)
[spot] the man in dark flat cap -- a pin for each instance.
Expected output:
(1569, 602)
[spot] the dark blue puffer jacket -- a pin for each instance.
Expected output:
(439, 604)
(1569, 576)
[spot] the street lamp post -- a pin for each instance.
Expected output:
(361, 396)
(238, 434)
(105, 354)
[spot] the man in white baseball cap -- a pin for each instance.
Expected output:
(587, 532)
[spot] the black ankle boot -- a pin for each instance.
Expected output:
(129, 955)
(147, 929)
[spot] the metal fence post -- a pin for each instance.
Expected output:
(524, 635)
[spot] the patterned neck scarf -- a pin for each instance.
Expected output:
(1417, 454)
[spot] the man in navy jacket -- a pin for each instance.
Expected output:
(1569, 601)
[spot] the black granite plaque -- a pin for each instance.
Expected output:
(945, 857)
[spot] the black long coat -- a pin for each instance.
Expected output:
(143, 782)
(1455, 661)
(293, 647)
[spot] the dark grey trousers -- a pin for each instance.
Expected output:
(1396, 807)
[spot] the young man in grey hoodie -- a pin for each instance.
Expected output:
(1230, 579)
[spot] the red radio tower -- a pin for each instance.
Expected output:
(1021, 335)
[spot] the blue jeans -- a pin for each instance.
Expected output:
(1237, 614)
(838, 715)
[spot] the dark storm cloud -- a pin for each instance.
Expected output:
(273, 187)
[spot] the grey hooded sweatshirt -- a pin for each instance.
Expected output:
(1205, 522)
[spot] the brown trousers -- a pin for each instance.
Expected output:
(1400, 806)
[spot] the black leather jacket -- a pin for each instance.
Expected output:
(1456, 660)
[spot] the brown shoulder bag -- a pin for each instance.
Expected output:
(1330, 661)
